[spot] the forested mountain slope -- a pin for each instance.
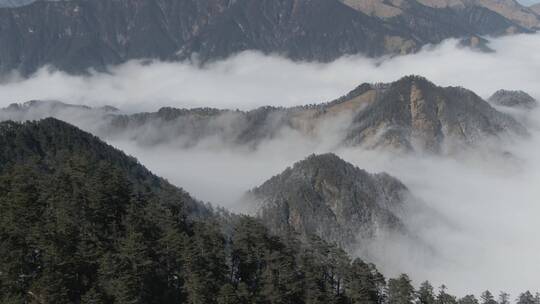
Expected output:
(80, 222)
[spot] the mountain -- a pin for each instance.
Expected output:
(411, 114)
(510, 9)
(514, 99)
(81, 222)
(51, 147)
(328, 197)
(37, 109)
(80, 34)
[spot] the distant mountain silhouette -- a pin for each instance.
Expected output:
(80, 34)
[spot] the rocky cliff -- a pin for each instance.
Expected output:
(413, 113)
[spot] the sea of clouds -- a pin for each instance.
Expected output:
(478, 212)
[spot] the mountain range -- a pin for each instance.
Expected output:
(411, 114)
(80, 34)
(83, 222)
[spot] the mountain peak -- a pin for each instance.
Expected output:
(331, 198)
(414, 79)
(415, 114)
(328, 162)
(514, 99)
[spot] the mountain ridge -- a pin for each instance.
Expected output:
(410, 114)
(78, 35)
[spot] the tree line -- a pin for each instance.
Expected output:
(401, 291)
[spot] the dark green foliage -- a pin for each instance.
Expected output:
(83, 223)
(400, 291)
(80, 222)
(425, 294)
(468, 299)
(444, 298)
(364, 283)
(487, 298)
(504, 298)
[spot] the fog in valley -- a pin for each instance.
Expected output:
(250, 79)
(477, 210)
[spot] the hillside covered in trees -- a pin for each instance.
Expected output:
(81, 222)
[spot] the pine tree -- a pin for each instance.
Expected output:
(468, 299)
(400, 291)
(487, 298)
(93, 296)
(504, 298)
(280, 276)
(526, 298)
(227, 295)
(444, 298)
(362, 283)
(313, 269)
(204, 265)
(425, 294)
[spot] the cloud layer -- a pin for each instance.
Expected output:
(478, 212)
(250, 79)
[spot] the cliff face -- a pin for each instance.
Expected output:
(80, 34)
(413, 113)
(328, 197)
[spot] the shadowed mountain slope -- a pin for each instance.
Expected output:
(80, 34)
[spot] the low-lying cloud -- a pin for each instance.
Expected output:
(251, 79)
(485, 231)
